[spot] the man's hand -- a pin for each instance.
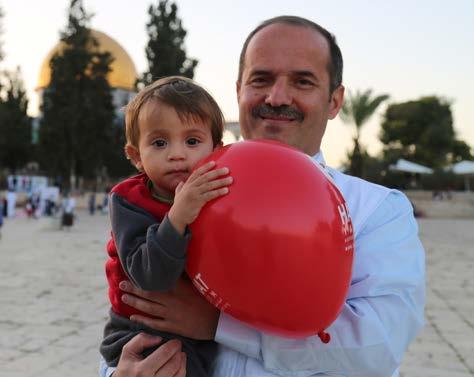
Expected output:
(181, 311)
(203, 185)
(166, 361)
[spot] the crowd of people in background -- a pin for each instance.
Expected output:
(24, 197)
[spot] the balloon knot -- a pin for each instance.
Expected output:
(324, 336)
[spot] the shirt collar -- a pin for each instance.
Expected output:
(319, 158)
(156, 196)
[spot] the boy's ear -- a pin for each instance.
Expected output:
(134, 154)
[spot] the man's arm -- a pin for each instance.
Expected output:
(182, 310)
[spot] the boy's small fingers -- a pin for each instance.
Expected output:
(200, 171)
(204, 168)
(179, 187)
(212, 185)
(215, 193)
(222, 171)
(213, 174)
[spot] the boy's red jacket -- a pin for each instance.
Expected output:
(135, 191)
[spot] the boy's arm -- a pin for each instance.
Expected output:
(152, 254)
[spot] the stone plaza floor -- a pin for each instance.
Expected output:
(53, 301)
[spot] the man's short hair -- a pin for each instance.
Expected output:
(182, 94)
(335, 64)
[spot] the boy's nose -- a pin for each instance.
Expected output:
(176, 153)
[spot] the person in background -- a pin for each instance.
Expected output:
(68, 206)
(91, 203)
(104, 207)
(1, 216)
(11, 202)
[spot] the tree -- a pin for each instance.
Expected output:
(15, 125)
(358, 109)
(78, 114)
(165, 49)
(421, 131)
(460, 151)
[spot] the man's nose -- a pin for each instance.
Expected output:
(279, 94)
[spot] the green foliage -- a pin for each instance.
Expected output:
(421, 131)
(15, 125)
(165, 49)
(356, 160)
(357, 109)
(460, 151)
(115, 160)
(78, 115)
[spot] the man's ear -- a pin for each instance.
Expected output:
(336, 101)
(237, 89)
(134, 154)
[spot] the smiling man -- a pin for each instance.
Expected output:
(289, 86)
(286, 93)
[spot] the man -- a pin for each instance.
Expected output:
(289, 86)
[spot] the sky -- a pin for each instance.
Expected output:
(407, 49)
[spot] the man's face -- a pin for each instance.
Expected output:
(284, 91)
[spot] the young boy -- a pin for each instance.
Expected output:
(170, 126)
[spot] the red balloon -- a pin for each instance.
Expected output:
(276, 252)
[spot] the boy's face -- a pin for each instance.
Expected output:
(169, 148)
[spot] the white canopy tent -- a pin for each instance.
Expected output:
(410, 167)
(465, 168)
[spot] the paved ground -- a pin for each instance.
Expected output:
(53, 299)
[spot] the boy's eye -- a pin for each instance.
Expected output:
(159, 143)
(192, 141)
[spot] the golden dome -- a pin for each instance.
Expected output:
(122, 75)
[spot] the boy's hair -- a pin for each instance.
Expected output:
(182, 94)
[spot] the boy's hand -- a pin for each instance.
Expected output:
(203, 185)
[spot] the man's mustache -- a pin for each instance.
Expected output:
(267, 111)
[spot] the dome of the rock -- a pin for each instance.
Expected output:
(122, 75)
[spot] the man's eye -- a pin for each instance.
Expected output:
(259, 81)
(192, 141)
(304, 82)
(159, 143)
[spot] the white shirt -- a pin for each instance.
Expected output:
(383, 311)
(68, 205)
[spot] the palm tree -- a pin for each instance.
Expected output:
(358, 109)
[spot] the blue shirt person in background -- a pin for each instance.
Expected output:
(1, 215)
(289, 85)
